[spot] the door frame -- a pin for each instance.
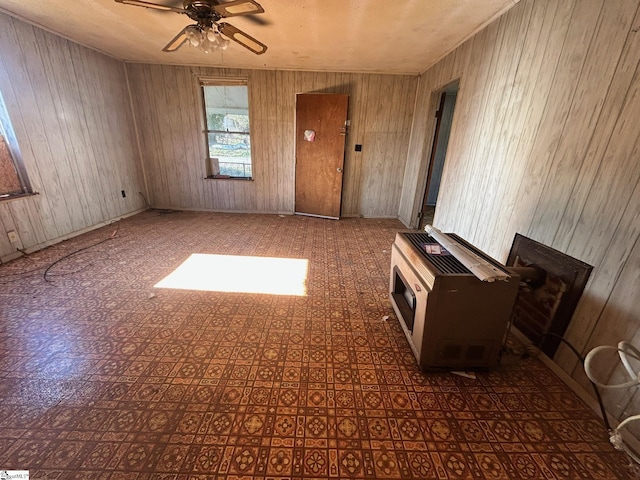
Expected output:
(438, 100)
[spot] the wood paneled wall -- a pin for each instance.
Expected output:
(168, 111)
(70, 110)
(545, 142)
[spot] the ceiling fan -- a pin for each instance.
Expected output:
(209, 33)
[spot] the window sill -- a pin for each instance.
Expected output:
(227, 177)
(8, 198)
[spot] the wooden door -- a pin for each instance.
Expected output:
(320, 139)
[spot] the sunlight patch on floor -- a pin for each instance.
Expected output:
(243, 274)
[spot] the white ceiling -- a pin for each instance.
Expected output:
(389, 36)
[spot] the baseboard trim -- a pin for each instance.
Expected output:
(53, 241)
(587, 398)
(564, 376)
(218, 210)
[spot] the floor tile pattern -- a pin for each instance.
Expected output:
(103, 376)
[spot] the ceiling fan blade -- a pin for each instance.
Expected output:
(155, 6)
(238, 7)
(238, 36)
(177, 41)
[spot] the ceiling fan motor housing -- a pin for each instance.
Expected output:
(202, 12)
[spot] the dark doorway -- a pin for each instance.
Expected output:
(444, 120)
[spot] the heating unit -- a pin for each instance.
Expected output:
(450, 317)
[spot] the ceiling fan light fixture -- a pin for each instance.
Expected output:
(207, 45)
(211, 35)
(206, 39)
(194, 36)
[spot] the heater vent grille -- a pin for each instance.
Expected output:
(446, 263)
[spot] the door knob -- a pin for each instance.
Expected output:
(339, 170)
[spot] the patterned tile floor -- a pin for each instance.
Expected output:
(103, 376)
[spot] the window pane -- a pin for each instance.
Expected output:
(228, 122)
(9, 181)
(227, 118)
(13, 177)
(233, 153)
(224, 101)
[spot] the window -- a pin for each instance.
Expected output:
(13, 178)
(226, 112)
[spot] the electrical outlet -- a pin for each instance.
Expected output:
(123, 194)
(13, 236)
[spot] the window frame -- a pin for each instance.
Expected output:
(6, 131)
(213, 81)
